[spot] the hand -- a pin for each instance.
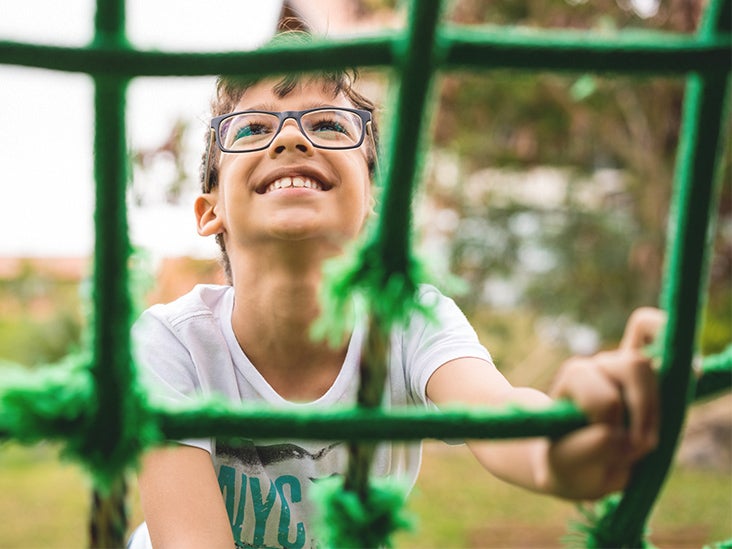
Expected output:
(596, 460)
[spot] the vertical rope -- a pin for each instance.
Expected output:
(113, 409)
(372, 379)
(418, 61)
(394, 250)
(385, 270)
(391, 246)
(108, 520)
(693, 212)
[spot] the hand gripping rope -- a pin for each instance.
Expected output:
(92, 401)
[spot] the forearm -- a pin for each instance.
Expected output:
(618, 392)
(523, 462)
(586, 464)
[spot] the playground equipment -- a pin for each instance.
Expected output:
(92, 402)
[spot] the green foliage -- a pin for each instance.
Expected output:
(601, 261)
(717, 326)
(25, 340)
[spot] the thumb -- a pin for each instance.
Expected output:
(642, 328)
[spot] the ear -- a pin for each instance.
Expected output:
(208, 222)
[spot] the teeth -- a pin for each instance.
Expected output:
(297, 182)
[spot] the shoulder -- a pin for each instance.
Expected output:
(174, 344)
(192, 319)
(440, 318)
(440, 309)
(204, 300)
(432, 339)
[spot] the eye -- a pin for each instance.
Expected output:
(249, 130)
(329, 125)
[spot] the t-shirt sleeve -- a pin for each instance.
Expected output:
(429, 343)
(165, 367)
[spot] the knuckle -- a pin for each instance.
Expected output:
(613, 405)
(574, 363)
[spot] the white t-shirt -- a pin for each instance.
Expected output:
(187, 348)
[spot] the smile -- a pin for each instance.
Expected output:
(297, 182)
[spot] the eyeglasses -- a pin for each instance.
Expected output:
(324, 128)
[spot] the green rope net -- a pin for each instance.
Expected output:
(92, 401)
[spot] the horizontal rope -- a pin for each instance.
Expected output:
(52, 404)
(463, 47)
(370, 425)
(716, 375)
(648, 52)
(95, 59)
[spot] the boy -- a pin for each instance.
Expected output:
(287, 186)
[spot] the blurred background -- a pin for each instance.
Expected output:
(547, 194)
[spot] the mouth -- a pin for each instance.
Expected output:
(294, 182)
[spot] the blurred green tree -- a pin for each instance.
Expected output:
(603, 240)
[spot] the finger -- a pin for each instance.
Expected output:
(596, 443)
(642, 401)
(594, 392)
(616, 478)
(632, 373)
(594, 460)
(642, 327)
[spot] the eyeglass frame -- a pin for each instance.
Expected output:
(283, 116)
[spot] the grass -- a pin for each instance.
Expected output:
(45, 500)
(459, 505)
(44, 504)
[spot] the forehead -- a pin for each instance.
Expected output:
(270, 94)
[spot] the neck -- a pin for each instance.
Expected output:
(276, 300)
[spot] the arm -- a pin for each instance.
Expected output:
(587, 463)
(181, 500)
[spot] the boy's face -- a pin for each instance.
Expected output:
(292, 190)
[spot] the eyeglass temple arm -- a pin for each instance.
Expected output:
(211, 140)
(370, 132)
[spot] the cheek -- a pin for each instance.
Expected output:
(367, 206)
(364, 186)
(363, 198)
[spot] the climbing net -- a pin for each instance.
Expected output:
(92, 402)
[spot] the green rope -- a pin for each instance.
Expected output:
(715, 375)
(108, 524)
(384, 271)
(372, 380)
(648, 52)
(692, 211)
(350, 521)
(357, 511)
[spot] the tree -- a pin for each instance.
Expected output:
(589, 126)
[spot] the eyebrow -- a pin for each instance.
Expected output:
(272, 108)
(261, 107)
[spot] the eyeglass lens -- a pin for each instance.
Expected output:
(329, 128)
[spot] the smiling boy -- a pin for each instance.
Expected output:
(287, 186)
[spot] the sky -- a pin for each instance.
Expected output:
(47, 184)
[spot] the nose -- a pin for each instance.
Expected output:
(290, 139)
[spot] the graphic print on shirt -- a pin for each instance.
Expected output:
(265, 490)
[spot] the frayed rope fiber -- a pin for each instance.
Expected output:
(347, 521)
